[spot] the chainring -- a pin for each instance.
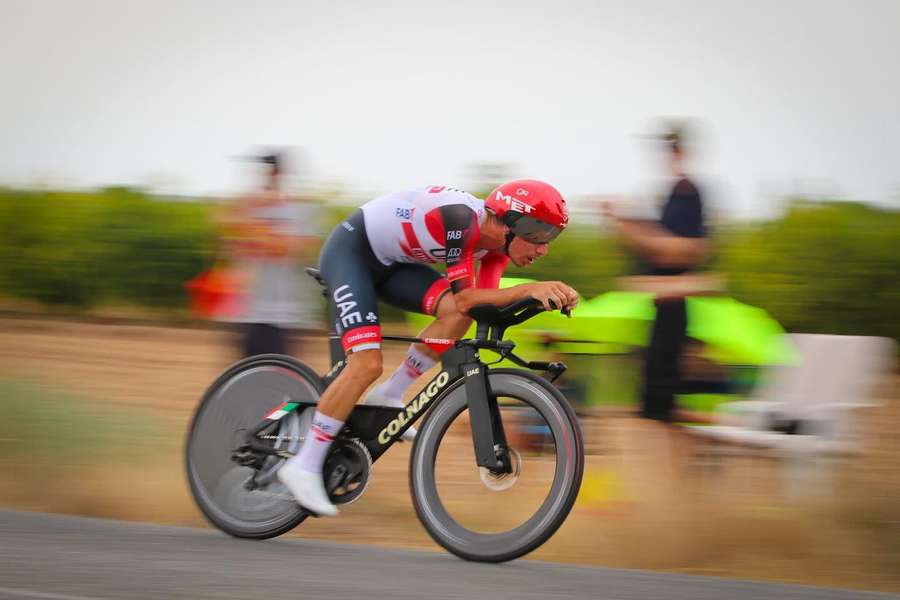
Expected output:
(346, 470)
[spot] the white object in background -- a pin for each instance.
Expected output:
(818, 396)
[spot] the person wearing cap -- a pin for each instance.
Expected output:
(669, 251)
(384, 251)
(271, 237)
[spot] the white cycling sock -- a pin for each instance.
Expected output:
(318, 440)
(412, 368)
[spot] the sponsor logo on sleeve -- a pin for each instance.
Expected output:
(361, 335)
(457, 272)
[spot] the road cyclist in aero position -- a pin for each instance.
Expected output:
(383, 250)
(272, 442)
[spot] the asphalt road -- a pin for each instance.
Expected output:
(70, 558)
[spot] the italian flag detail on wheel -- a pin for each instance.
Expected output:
(281, 411)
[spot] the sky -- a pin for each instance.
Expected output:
(795, 96)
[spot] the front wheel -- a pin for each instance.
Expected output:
(485, 517)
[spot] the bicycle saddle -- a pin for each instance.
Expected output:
(315, 274)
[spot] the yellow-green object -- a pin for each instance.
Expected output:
(737, 333)
(611, 323)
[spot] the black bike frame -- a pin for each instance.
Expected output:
(379, 427)
(460, 362)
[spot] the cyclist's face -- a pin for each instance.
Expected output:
(523, 253)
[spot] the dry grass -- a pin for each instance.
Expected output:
(747, 517)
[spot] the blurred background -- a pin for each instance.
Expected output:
(140, 197)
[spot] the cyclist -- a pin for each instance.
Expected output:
(383, 251)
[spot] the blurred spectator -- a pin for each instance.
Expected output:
(270, 238)
(667, 253)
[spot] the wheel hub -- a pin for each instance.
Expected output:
(503, 481)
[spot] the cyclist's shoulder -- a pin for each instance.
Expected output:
(418, 202)
(431, 196)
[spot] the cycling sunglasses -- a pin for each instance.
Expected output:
(534, 231)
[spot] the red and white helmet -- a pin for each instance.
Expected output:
(533, 210)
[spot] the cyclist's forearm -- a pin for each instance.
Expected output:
(470, 297)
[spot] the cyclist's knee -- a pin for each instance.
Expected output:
(458, 322)
(366, 365)
(448, 312)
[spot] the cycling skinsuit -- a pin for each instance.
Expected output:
(383, 250)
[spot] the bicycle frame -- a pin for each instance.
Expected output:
(380, 427)
(459, 363)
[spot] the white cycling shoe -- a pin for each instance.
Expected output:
(376, 398)
(308, 489)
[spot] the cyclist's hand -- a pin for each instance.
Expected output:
(553, 295)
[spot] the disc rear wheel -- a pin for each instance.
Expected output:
(238, 493)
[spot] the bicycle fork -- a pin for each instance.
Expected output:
(488, 436)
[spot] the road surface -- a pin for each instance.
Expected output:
(57, 557)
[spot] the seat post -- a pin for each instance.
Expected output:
(335, 349)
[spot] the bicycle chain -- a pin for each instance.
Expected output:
(289, 438)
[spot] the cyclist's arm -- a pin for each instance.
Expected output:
(491, 270)
(488, 280)
(470, 297)
(460, 228)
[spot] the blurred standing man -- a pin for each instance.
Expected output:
(272, 238)
(668, 252)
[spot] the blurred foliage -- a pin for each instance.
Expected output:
(822, 267)
(830, 267)
(84, 249)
